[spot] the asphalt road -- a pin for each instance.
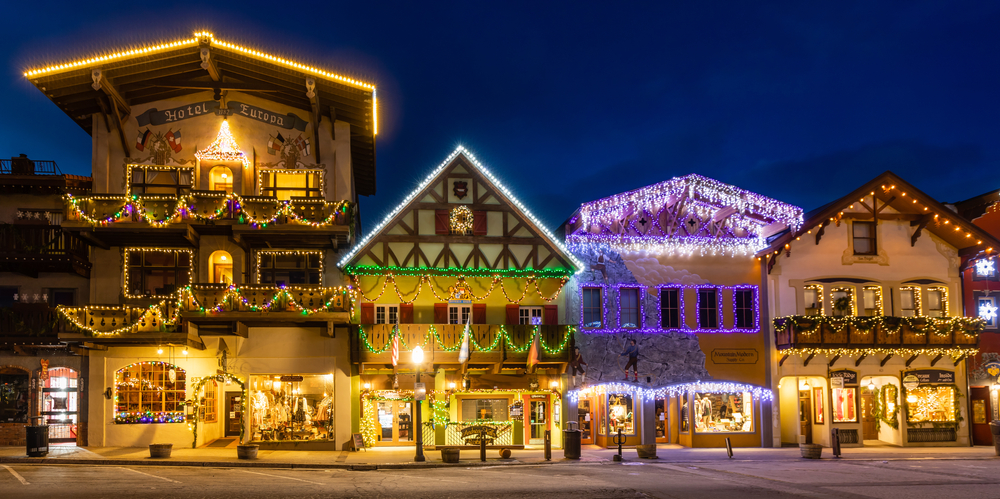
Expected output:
(909, 479)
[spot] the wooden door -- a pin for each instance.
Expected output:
(234, 414)
(586, 419)
(981, 415)
(805, 415)
(869, 427)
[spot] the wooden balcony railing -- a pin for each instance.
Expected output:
(31, 320)
(30, 249)
(258, 298)
(817, 331)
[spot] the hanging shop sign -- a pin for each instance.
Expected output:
(286, 121)
(933, 376)
(910, 382)
(292, 378)
(156, 117)
(419, 391)
(992, 369)
(850, 377)
(734, 356)
(836, 382)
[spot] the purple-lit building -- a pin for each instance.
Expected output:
(673, 267)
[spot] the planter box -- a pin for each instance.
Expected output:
(247, 451)
(450, 455)
(160, 450)
(811, 451)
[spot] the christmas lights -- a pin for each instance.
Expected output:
(497, 281)
(678, 389)
(126, 264)
(224, 148)
(987, 311)
(953, 352)
(810, 324)
(460, 219)
(577, 264)
(917, 302)
(142, 388)
(318, 253)
(380, 270)
(985, 267)
(195, 401)
(502, 334)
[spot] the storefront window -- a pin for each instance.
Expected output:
(13, 395)
(685, 416)
(723, 412)
(484, 409)
(659, 411)
(150, 392)
(844, 404)
(935, 404)
(291, 407)
(621, 413)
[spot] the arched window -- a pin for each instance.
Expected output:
(150, 392)
(220, 178)
(220, 267)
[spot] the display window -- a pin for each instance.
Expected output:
(584, 408)
(818, 413)
(660, 413)
(844, 405)
(291, 407)
(150, 392)
(621, 413)
(723, 412)
(14, 400)
(685, 422)
(932, 404)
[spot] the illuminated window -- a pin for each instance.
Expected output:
(220, 178)
(872, 300)
(149, 392)
(593, 310)
(909, 301)
(670, 308)
(386, 314)
(935, 404)
(220, 265)
(156, 272)
(708, 308)
(289, 268)
(159, 180)
(628, 307)
(285, 184)
(529, 315)
(744, 310)
(844, 405)
(864, 238)
(621, 413)
(210, 402)
(937, 302)
(842, 301)
(723, 412)
(813, 299)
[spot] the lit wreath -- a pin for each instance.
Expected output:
(461, 220)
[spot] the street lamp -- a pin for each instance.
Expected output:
(417, 356)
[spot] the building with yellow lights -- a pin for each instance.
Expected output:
(869, 336)
(225, 187)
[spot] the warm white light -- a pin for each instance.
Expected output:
(417, 356)
(911, 399)
(159, 351)
(451, 386)
(185, 351)
(223, 258)
(988, 311)
(368, 386)
(871, 386)
(224, 176)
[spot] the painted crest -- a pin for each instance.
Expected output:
(460, 188)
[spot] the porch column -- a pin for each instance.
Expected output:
(648, 421)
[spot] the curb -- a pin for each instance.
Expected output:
(264, 464)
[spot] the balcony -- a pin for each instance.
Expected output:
(231, 309)
(28, 326)
(28, 176)
(30, 249)
(113, 220)
(493, 348)
(805, 332)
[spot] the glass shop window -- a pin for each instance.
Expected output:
(14, 395)
(150, 392)
(210, 402)
(485, 409)
(813, 299)
(934, 404)
(628, 307)
(290, 268)
(844, 405)
(864, 238)
(386, 314)
(686, 416)
(157, 273)
(621, 413)
(529, 315)
(165, 181)
(670, 308)
(745, 309)
(723, 412)
(872, 300)
(294, 183)
(708, 308)
(593, 310)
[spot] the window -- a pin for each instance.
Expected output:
(386, 314)
(220, 267)
(628, 307)
(708, 308)
(864, 238)
(685, 413)
(593, 310)
(670, 308)
(723, 412)
(284, 184)
(931, 404)
(621, 414)
(842, 300)
(459, 314)
(813, 299)
(844, 405)
(530, 315)
(220, 178)
(156, 273)
(872, 300)
(149, 392)
(210, 402)
(16, 395)
(743, 307)
(937, 302)
(986, 307)
(289, 267)
(159, 180)
(61, 297)
(484, 409)
(909, 301)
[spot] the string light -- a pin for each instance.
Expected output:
(496, 282)
(460, 219)
(381, 270)
(224, 148)
(673, 390)
(943, 326)
(199, 383)
(954, 353)
(502, 334)
(146, 385)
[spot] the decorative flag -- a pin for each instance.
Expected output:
(142, 139)
(533, 352)
(395, 346)
(463, 355)
(174, 140)
(274, 144)
(302, 144)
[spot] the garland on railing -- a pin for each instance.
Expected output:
(185, 208)
(497, 281)
(810, 324)
(955, 353)
(504, 335)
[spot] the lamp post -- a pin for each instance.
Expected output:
(417, 356)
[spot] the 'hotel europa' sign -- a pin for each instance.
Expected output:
(156, 117)
(734, 356)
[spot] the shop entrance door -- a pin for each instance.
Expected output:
(234, 414)
(586, 419)
(58, 404)
(805, 415)
(395, 421)
(538, 421)
(869, 427)
(660, 413)
(981, 412)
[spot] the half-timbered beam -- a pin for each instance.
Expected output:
(313, 96)
(834, 359)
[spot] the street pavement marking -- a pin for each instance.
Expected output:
(147, 474)
(16, 475)
(285, 477)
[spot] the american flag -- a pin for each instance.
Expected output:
(395, 346)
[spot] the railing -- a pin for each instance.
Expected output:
(25, 166)
(30, 319)
(39, 240)
(264, 297)
(460, 433)
(514, 340)
(816, 331)
(119, 319)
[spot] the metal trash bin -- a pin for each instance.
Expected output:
(995, 430)
(36, 438)
(571, 444)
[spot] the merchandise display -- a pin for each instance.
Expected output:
(844, 404)
(723, 412)
(291, 408)
(931, 404)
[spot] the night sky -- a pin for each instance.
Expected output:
(569, 103)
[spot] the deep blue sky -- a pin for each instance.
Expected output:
(571, 102)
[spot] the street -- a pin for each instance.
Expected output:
(910, 479)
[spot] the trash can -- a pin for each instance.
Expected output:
(571, 444)
(995, 429)
(36, 438)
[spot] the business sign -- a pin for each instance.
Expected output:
(850, 377)
(419, 391)
(286, 121)
(156, 117)
(291, 378)
(734, 356)
(910, 382)
(932, 376)
(836, 382)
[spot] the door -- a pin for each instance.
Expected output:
(981, 411)
(805, 415)
(586, 419)
(58, 404)
(234, 414)
(869, 427)
(538, 421)
(660, 412)
(395, 422)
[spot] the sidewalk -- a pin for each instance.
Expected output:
(402, 457)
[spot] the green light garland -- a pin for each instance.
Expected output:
(432, 332)
(379, 270)
(810, 324)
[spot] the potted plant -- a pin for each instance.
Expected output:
(247, 451)
(160, 450)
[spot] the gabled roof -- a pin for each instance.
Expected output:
(462, 155)
(907, 202)
(684, 214)
(201, 63)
